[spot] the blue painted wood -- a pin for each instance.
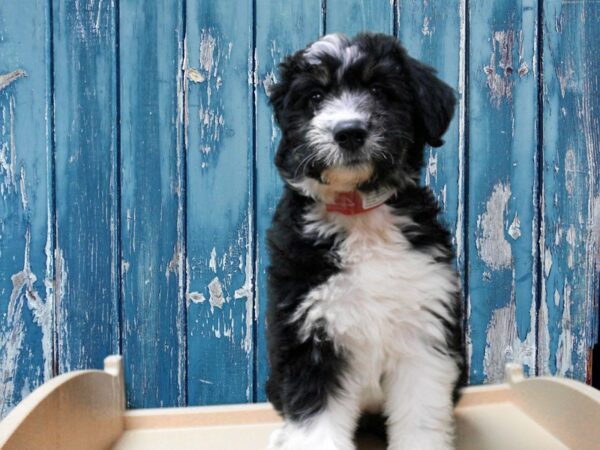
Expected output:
(430, 31)
(87, 223)
(26, 230)
(571, 192)
(219, 111)
(280, 29)
(153, 328)
(502, 187)
(353, 16)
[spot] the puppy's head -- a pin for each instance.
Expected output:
(356, 113)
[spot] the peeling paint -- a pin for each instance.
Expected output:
(547, 261)
(571, 239)
(570, 171)
(425, 29)
(564, 353)
(207, 50)
(543, 337)
(212, 264)
(268, 82)
(432, 167)
(492, 246)
(216, 293)
(500, 81)
(8, 154)
(503, 344)
(194, 76)
(247, 290)
(565, 78)
(196, 297)
(24, 200)
(8, 78)
(13, 332)
(515, 228)
(174, 265)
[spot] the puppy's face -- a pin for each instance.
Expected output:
(356, 114)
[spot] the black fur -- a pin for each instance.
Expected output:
(301, 372)
(412, 108)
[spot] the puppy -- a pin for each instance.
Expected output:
(364, 307)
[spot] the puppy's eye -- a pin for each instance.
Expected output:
(376, 91)
(316, 97)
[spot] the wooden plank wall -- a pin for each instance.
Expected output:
(137, 185)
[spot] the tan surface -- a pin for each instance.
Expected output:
(84, 411)
(76, 411)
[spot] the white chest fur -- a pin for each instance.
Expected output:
(378, 308)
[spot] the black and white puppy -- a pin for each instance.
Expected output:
(364, 307)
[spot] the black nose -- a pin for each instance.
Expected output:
(350, 134)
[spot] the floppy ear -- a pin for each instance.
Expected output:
(435, 101)
(279, 90)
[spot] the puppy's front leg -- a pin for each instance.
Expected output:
(419, 404)
(331, 429)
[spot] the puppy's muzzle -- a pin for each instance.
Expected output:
(350, 134)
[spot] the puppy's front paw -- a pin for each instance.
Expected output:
(276, 440)
(290, 437)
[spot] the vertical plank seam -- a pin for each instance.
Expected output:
(51, 139)
(540, 179)
(254, 209)
(323, 17)
(182, 209)
(464, 153)
(395, 18)
(117, 163)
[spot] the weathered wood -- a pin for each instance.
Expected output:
(280, 29)
(571, 192)
(430, 31)
(502, 187)
(219, 113)
(151, 87)
(353, 16)
(87, 275)
(26, 228)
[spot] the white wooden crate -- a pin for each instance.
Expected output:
(85, 410)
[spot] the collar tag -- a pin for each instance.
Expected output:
(356, 202)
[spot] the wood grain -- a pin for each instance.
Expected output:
(87, 268)
(502, 226)
(26, 226)
(571, 192)
(220, 265)
(152, 240)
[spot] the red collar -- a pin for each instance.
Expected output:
(356, 202)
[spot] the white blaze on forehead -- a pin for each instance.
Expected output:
(335, 45)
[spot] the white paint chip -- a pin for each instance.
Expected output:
(207, 50)
(216, 293)
(503, 344)
(196, 297)
(491, 243)
(570, 171)
(212, 263)
(8, 78)
(515, 228)
(195, 76)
